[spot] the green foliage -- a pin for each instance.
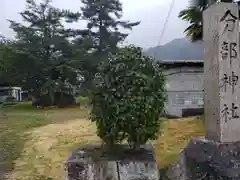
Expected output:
(45, 41)
(17, 68)
(83, 101)
(104, 15)
(46, 57)
(193, 15)
(128, 98)
(104, 22)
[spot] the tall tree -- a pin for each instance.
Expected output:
(104, 26)
(17, 68)
(7, 56)
(44, 37)
(193, 15)
(4, 40)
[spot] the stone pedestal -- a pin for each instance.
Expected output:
(217, 157)
(92, 162)
(207, 160)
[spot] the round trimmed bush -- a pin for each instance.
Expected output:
(128, 98)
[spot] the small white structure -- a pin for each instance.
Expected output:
(7, 91)
(184, 85)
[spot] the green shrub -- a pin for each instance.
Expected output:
(83, 101)
(128, 98)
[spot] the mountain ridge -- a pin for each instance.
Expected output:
(177, 49)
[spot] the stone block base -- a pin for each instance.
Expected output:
(93, 162)
(203, 159)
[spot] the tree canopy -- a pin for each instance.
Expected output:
(46, 57)
(193, 15)
(104, 27)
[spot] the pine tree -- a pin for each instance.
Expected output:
(44, 37)
(104, 24)
(103, 18)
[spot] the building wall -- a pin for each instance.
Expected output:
(184, 89)
(10, 91)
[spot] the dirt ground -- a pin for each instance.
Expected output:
(40, 141)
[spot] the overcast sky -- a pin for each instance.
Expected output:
(151, 13)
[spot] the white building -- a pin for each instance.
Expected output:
(184, 85)
(7, 91)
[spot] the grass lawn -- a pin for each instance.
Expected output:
(34, 143)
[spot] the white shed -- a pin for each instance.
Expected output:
(8, 91)
(184, 85)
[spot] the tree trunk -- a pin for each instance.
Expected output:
(136, 146)
(51, 95)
